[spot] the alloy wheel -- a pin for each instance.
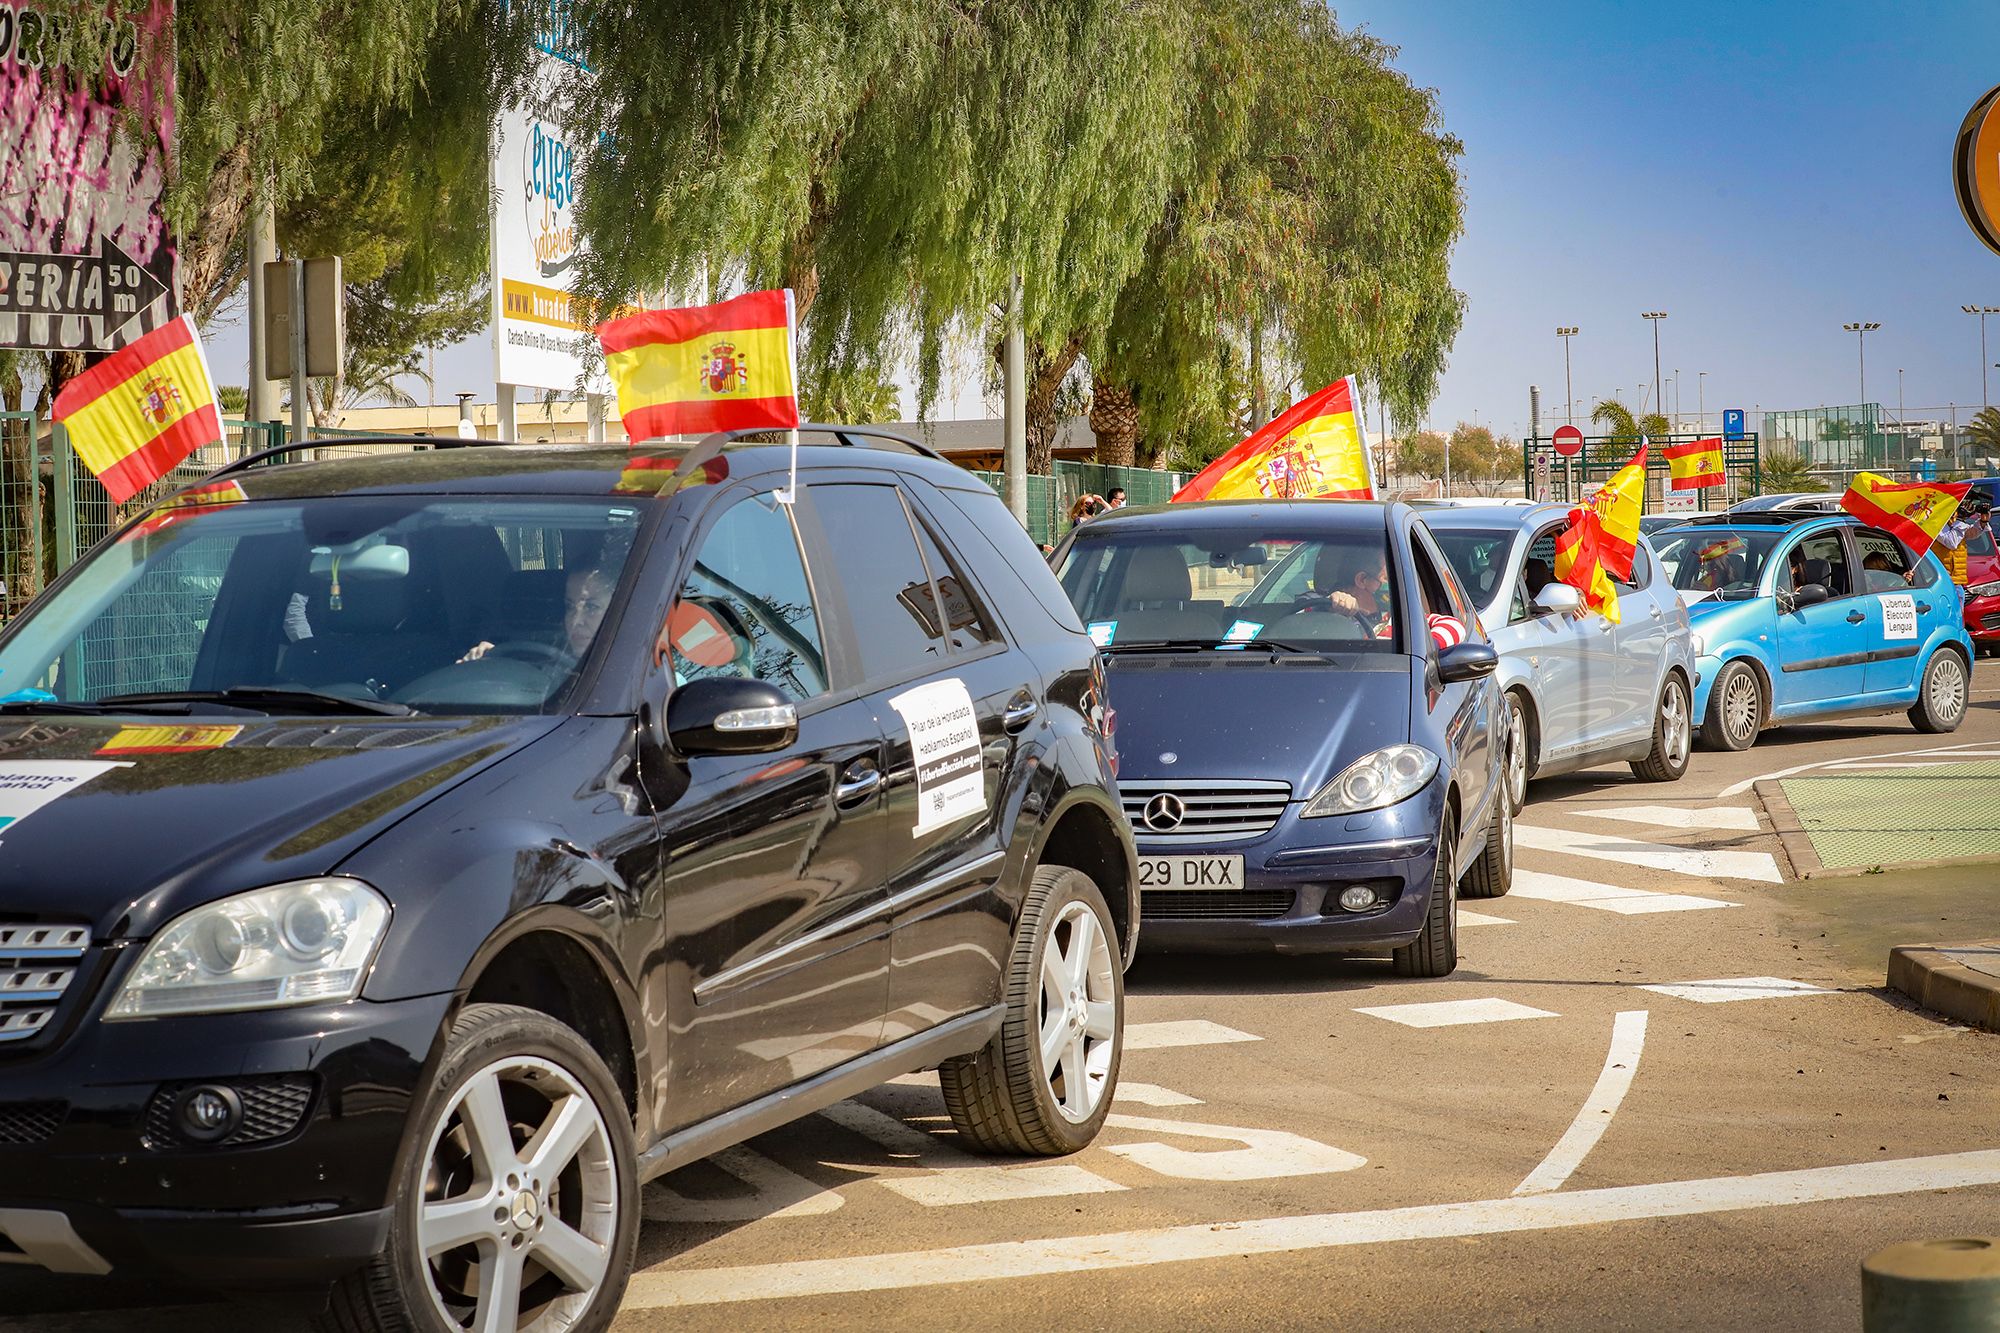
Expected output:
(1947, 688)
(520, 1205)
(1517, 753)
(1078, 1018)
(1677, 729)
(1739, 707)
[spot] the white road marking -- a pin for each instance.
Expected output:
(1735, 817)
(1182, 1032)
(1450, 1013)
(774, 1192)
(1705, 864)
(1605, 897)
(998, 1186)
(1262, 1154)
(1151, 1094)
(1279, 1235)
(1738, 788)
(1726, 989)
(1470, 918)
(1628, 1038)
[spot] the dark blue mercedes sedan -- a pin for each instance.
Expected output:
(1307, 723)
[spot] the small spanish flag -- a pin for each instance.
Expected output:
(1696, 464)
(136, 414)
(1915, 512)
(1310, 451)
(169, 740)
(705, 368)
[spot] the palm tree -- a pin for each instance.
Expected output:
(1783, 470)
(1984, 431)
(1620, 424)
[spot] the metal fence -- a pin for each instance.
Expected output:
(1569, 480)
(1051, 498)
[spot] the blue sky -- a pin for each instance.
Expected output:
(1764, 173)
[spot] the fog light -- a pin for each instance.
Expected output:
(207, 1114)
(1357, 898)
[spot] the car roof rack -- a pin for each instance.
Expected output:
(850, 436)
(1761, 518)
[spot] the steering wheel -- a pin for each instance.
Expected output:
(527, 650)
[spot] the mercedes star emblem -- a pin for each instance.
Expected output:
(1165, 812)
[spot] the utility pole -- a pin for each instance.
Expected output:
(1861, 330)
(1565, 333)
(1654, 317)
(260, 403)
(1014, 419)
(298, 271)
(1985, 398)
(1700, 401)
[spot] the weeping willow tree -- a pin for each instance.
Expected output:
(1313, 242)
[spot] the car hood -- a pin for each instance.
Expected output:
(127, 826)
(1224, 715)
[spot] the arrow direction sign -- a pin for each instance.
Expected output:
(109, 286)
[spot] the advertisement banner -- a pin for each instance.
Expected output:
(538, 341)
(85, 259)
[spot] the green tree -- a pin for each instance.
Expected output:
(1619, 424)
(1983, 431)
(1783, 470)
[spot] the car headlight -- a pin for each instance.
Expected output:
(1984, 589)
(1394, 773)
(301, 943)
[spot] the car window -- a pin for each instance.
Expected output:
(1718, 562)
(1885, 562)
(1442, 594)
(1820, 559)
(985, 512)
(1641, 571)
(746, 608)
(1980, 542)
(968, 625)
(1228, 586)
(891, 602)
(1477, 556)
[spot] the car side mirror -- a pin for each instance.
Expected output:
(1467, 661)
(1558, 599)
(1810, 595)
(730, 715)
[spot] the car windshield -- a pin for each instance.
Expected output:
(476, 604)
(1726, 563)
(1478, 556)
(1225, 589)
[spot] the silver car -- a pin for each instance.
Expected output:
(1580, 691)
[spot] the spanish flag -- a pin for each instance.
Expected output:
(1310, 451)
(1602, 538)
(136, 414)
(1696, 464)
(169, 739)
(1915, 512)
(705, 368)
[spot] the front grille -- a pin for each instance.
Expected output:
(1215, 905)
(1209, 811)
(272, 1108)
(30, 1122)
(37, 963)
(1991, 621)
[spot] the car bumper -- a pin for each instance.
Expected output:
(1293, 878)
(1982, 619)
(296, 1198)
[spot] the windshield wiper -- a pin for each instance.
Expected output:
(54, 706)
(1159, 646)
(263, 699)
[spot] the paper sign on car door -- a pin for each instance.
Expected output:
(1899, 616)
(944, 745)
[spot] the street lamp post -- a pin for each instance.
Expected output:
(1566, 332)
(1861, 330)
(1654, 317)
(1677, 398)
(1700, 401)
(1982, 311)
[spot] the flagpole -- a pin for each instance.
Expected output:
(790, 494)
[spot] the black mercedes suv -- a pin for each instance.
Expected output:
(403, 857)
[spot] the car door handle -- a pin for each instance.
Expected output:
(1020, 712)
(1656, 613)
(1923, 608)
(1855, 617)
(857, 783)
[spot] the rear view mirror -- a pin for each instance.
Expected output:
(1558, 599)
(370, 562)
(1468, 661)
(730, 715)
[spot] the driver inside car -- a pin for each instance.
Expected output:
(586, 597)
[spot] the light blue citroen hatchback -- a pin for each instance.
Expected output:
(1802, 616)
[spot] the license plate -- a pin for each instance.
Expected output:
(1191, 872)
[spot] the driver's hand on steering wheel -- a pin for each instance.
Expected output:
(1342, 601)
(477, 651)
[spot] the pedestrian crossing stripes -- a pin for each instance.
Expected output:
(1703, 863)
(1731, 817)
(1606, 897)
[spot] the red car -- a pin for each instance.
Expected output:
(1982, 591)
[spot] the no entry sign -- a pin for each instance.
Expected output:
(1569, 441)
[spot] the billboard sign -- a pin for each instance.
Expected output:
(86, 263)
(538, 339)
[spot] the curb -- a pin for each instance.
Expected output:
(1930, 976)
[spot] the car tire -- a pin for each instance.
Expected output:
(526, 1069)
(1492, 874)
(1673, 735)
(1735, 709)
(1434, 953)
(1012, 1096)
(1940, 705)
(1518, 763)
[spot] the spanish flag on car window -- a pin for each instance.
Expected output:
(1602, 538)
(1696, 464)
(1311, 451)
(704, 368)
(136, 414)
(1915, 512)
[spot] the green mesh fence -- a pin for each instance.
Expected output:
(21, 509)
(1051, 498)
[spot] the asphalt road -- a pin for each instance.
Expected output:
(1665, 1089)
